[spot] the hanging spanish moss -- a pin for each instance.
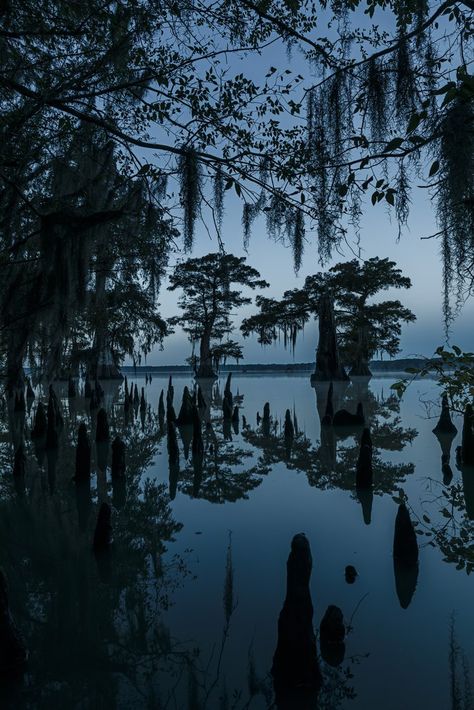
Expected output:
(402, 201)
(218, 185)
(295, 233)
(190, 183)
(404, 82)
(376, 81)
(455, 195)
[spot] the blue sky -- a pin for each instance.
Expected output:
(418, 258)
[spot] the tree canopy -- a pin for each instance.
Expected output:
(381, 96)
(363, 327)
(207, 302)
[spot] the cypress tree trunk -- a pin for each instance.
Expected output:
(360, 366)
(15, 356)
(328, 363)
(205, 369)
(102, 366)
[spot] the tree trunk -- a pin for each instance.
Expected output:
(360, 366)
(16, 350)
(103, 366)
(205, 369)
(328, 363)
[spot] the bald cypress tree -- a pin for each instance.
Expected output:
(211, 290)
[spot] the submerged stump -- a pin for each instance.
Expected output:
(295, 662)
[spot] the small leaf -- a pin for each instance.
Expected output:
(393, 145)
(413, 123)
(434, 168)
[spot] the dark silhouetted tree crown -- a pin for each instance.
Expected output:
(351, 284)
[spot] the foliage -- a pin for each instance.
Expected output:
(352, 284)
(453, 370)
(385, 100)
(208, 300)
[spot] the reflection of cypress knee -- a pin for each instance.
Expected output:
(172, 440)
(52, 437)
(94, 403)
(143, 400)
(170, 391)
(83, 454)
(185, 416)
(405, 544)
(29, 390)
(332, 633)
(161, 410)
(445, 424)
(295, 663)
(406, 578)
(126, 402)
(19, 464)
(13, 651)
(468, 436)
(118, 458)
(235, 415)
(20, 404)
(201, 401)
(227, 408)
(170, 414)
(197, 445)
(227, 390)
(289, 428)
(102, 426)
(329, 412)
(364, 472)
(119, 492)
(99, 391)
(136, 397)
(71, 388)
(103, 528)
(83, 502)
(41, 423)
(345, 418)
(365, 497)
(266, 413)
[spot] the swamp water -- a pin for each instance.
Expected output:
(183, 612)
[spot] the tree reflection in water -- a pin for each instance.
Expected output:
(332, 464)
(95, 633)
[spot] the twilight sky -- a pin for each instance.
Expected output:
(419, 259)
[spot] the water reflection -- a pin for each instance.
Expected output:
(92, 598)
(92, 621)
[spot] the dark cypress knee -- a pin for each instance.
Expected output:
(405, 544)
(13, 651)
(102, 426)
(295, 662)
(83, 454)
(19, 464)
(445, 424)
(332, 633)
(364, 473)
(103, 528)
(40, 427)
(118, 458)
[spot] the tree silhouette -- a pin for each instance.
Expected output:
(363, 327)
(207, 301)
(378, 109)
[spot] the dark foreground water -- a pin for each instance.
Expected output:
(183, 612)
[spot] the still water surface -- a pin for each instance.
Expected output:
(183, 613)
